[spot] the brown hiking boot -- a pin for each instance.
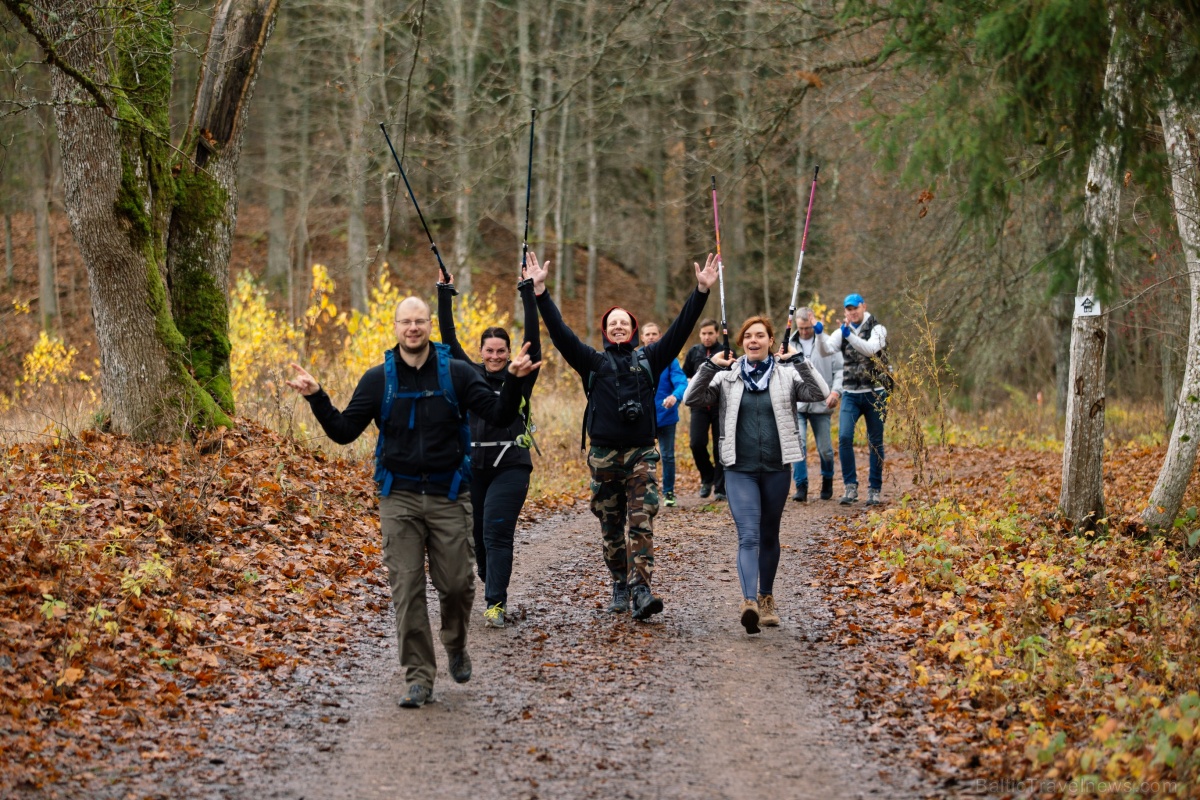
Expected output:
(749, 612)
(767, 617)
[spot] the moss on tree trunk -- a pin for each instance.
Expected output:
(201, 309)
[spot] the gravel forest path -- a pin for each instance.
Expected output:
(572, 702)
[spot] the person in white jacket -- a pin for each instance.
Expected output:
(820, 414)
(862, 341)
(756, 398)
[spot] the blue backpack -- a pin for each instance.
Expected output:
(391, 392)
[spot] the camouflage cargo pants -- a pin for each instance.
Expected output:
(624, 488)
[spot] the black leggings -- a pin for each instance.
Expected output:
(497, 496)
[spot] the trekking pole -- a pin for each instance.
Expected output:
(413, 197)
(812, 192)
(720, 267)
(528, 189)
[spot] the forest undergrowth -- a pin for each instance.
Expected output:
(143, 586)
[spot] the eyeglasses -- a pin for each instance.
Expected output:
(407, 323)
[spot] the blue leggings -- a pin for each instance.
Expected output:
(756, 500)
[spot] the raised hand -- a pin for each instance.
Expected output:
(722, 359)
(522, 365)
(303, 383)
(707, 277)
(537, 272)
(449, 277)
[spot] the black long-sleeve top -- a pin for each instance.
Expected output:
(606, 426)
(484, 454)
(432, 445)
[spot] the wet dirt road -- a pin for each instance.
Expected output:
(572, 702)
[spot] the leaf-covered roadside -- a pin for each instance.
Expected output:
(1052, 664)
(144, 585)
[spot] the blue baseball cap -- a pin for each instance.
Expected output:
(854, 300)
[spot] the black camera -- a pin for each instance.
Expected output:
(630, 410)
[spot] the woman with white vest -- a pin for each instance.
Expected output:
(759, 439)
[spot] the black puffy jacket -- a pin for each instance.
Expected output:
(606, 426)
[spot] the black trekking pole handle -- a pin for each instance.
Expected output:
(413, 197)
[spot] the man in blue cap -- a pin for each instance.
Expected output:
(866, 381)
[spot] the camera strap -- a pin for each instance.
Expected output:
(642, 363)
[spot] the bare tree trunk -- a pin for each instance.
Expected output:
(278, 260)
(40, 167)
(541, 166)
(385, 211)
(8, 251)
(358, 158)
(560, 203)
(463, 43)
(299, 238)
(662, 260)
(1171, 361)
(593, 193)
(766, 245)
(1082, 498)
(675, 188)
(522, 186)
(1180, 460)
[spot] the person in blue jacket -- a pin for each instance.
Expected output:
(672, 383)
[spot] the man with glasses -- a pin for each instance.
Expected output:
(418, 399)
(862, 341)
(818, 415)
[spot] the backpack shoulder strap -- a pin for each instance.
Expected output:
(445, 379)
(391, 385)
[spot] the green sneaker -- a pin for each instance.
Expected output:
(669, 499)
(494, 616)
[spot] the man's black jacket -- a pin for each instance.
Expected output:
(606, 426)
(432, 445)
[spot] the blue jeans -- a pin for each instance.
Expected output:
(756, 500)
(872, 406)
(666, 446)
(821, 424)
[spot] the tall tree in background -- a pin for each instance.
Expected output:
(1081, 500)
(154, 222)
(1180, 462)
(1036, 98)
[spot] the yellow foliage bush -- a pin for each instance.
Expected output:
(472, 316)
(49, 362)
(263, 344)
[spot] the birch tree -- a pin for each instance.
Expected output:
(1180, 460)
(1081, 500)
